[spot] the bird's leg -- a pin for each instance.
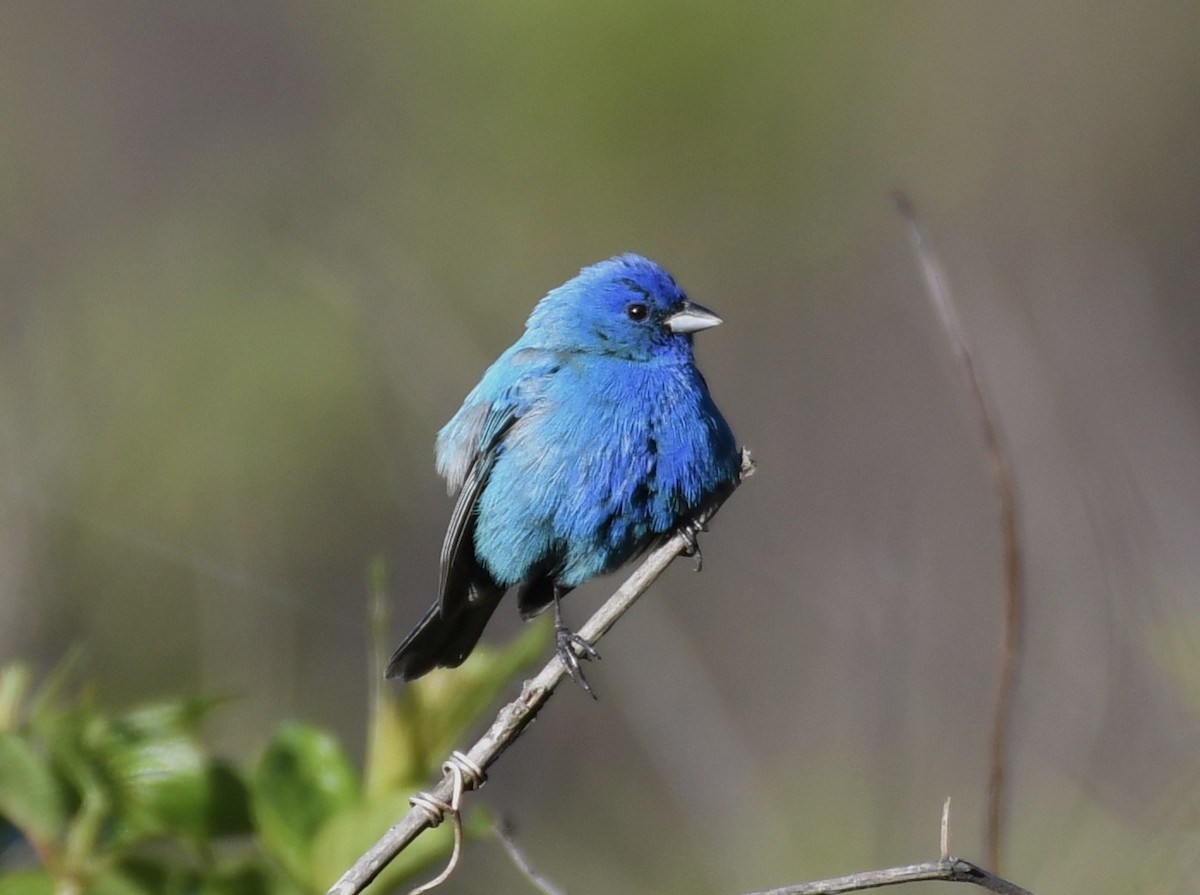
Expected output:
(691, 532)
(565, 643)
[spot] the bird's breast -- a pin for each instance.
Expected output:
(608, 457)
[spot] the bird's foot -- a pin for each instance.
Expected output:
(570, 648)
(691, 539)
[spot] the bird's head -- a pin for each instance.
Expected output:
(626, 307)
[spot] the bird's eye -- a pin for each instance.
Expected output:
(637, 311)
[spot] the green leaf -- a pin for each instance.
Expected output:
(302, 779)
(164, 781)
(164, 786)
(414, 730)
(77, 739)
(14, 682)
(228, 808)
(50, 694)
(28, 882)
(163, 720)
(30, 796)
(143, 875)
(160, 770)
(247, 879)
(117, 882)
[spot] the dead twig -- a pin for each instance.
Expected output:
(504, 834)
(1002, 481)
(948, 869)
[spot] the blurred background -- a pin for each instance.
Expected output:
(253, 255)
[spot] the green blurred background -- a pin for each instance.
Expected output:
(252, 256)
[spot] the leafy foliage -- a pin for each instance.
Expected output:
(134, 803)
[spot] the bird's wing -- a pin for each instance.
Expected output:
(462, 574)
(467, 450)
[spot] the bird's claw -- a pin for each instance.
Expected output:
(566, 644)
(691, 540)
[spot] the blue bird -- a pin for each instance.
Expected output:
(590, 439)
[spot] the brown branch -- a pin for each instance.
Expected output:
(1002, 481)
(515, 717)
(948, 869)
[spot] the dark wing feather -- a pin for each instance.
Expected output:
(462, 575)
(438, 641)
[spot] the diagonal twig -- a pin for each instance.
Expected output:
(543, 885)
(1002, 481)
(516, 715)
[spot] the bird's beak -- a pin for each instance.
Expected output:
(691, 318)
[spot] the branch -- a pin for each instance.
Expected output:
(543, 885)
(948, 869)
(1002, 481)
(514, 717)
(945, 869)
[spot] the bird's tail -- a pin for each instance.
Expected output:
(440, 641)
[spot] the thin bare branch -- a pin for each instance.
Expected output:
(504, 834)
(1002, 481)
(951, 870)
(516, 715)
(944, 840)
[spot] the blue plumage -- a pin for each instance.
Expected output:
(589, 439)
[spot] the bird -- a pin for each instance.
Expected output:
(589, 440)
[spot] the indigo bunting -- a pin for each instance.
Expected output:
(589, 440)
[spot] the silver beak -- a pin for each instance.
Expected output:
(692, 318)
